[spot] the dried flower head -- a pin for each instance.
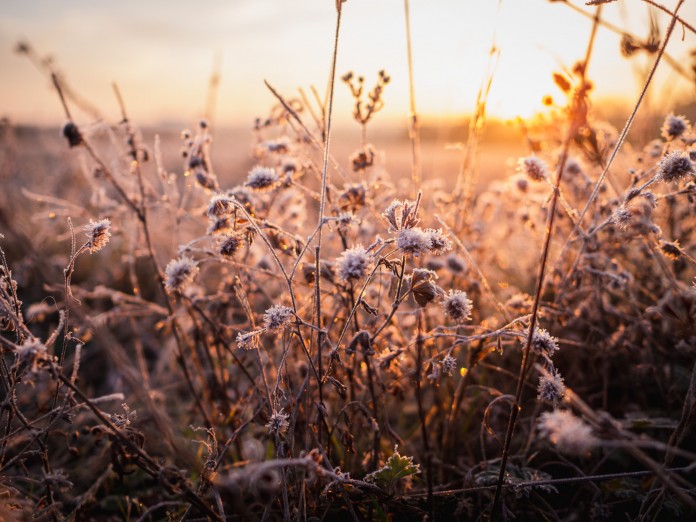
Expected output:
(278, 424)
(534, 168)
(353, 198)
(414, 241)
(455, 264)
(363, 158)
(674, 127)
(458, 306)
(402, 214)
(220, 205)
(354, 263)
(277, 317)
(567, 432)
(543, 343)
(98, 234)
(448, 364)
(180, 273)
(262, 178)
(230, 244)
(551, 387)
(675, 166)
(635, 218)
(439, 242)
(72, 134)
(671, 249)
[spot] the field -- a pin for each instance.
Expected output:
(470, 320)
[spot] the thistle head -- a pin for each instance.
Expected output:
(98, 234)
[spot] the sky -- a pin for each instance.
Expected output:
(161, 54)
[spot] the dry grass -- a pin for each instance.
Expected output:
(180, 343)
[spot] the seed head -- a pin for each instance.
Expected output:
(262, 178)
(543, 343)
(72, 133)
(278, 424)
(534, 168)
(457, 306)
(455, 264)
(439, 242)
(567, 432)
(180, 273)
(449, 364)
(98, 234)
(353, 263)
(675, 166)
(277, 317)
(414, 241)
(551, 387)
(674, 126)
(231, 243)
(221, 205)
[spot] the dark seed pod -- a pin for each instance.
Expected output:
(72, 134)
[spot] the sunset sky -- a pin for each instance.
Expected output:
(161, 54)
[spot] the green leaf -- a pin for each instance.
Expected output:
(397, 467)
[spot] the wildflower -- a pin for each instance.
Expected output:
(220, 206)
(180, 273)
(534, 168)
(543, 343)
(674, 126)
(353, 263)
(413, 241)
(449, 364)
(551, 387)
(674, 167)
(457, 306)
(278, 424)
(98, 234)
(567, 432)
(439, 242)
(262, 178)
(277, 317)
(231, 243)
